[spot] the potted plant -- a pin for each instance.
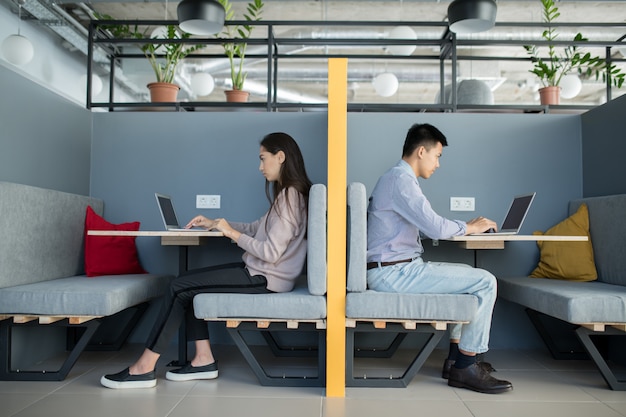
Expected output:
(236, 51)
(552, 69)
(163, 57)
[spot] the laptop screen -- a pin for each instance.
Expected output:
(517, 212)
(167, 210)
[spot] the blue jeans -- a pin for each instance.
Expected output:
(444, 278)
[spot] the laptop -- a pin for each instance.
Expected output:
(166, 207)
(515, 216)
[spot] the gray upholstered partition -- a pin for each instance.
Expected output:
(42, 233)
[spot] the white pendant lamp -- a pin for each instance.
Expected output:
(472, 16)
(17, 49)
(202, 84)
(402, 32)
(385, 84)
(201, 17)
(570, 86)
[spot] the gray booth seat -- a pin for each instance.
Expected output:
(42, 278)
(303, 309)
(596, 308)
(371, 311)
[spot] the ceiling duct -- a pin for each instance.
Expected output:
(64, 25)
(74, 33)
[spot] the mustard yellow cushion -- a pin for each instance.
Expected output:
(567, 260)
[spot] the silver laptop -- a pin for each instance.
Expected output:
(515, 215)
(166, 207)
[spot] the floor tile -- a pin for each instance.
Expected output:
(542, 386)
(12, 403)
(530, 408)
(380, 407)
(246, 407)
(106, 404)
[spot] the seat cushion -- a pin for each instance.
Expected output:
(383, 305)
(298, 304)
(82, 296)
(574, 302)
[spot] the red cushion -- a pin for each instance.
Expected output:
(110, 255)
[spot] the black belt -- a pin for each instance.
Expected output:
(372, 265)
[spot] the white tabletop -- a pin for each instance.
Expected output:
(167, 233)
(488, 241)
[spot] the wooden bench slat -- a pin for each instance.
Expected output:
(233, 323)
(595, 327)
(407, 324)
(26, 318)
(21, 319)
(81, 319)
(50, 319)
(601, 327)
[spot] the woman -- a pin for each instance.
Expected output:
(275, 251)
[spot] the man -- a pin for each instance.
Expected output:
(398, 211)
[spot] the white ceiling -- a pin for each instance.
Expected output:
(511, 82)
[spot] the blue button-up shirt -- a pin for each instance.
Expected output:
(397, 212)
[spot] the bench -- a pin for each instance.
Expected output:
(370, 311)
(42, 281)
(593, 309)
(303, 309)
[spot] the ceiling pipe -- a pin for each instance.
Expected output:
(75, 34)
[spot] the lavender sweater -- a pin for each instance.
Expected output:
(277, 251)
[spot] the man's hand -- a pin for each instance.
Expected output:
(480, 225)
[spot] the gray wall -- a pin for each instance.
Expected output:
(491, 157)
(185, 154)
(604, 147)
(45, 140)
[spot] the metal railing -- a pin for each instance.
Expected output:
(277, 46)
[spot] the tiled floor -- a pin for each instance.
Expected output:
(542, 387)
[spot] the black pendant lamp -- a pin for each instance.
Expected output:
(471, 16)
(200, 17)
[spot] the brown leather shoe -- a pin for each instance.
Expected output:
(475, 378)
(449, 363)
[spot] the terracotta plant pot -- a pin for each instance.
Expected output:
(549, 95)
(237, 96)
(163, 92)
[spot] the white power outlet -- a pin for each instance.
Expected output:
(208, 201)
(462, 204)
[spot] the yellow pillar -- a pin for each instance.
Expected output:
(337, 183)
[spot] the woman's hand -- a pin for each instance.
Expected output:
(480, 225)
(201, 221)
(223, 226)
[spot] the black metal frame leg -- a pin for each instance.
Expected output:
(434, 336)
(7, 373)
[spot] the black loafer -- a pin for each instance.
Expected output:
(124, 379)
(449, 363)
(475, 378)
(191, 373)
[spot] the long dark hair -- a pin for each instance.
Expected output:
(292, 171)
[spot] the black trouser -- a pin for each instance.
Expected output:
(178, 305)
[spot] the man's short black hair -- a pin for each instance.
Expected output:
(422, 135)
